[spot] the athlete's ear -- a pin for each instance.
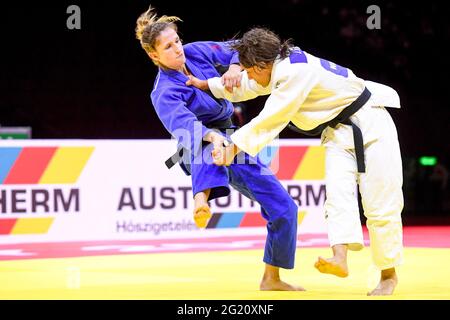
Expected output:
(153, 55)
(258, 69)
(263, 66)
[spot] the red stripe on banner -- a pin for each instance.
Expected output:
(289, 158)
(30, 165)
(253, 219)
(6, 225)
(414, 236)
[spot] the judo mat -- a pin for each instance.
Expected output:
(213, 269)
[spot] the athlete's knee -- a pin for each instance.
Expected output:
(283, 224)
(289, 215)
(291, 210)
(384, 216)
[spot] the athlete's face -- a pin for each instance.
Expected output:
(260, 75)
(169, 50)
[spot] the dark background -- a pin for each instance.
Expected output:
(95, 82)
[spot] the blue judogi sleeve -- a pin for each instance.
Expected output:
(170, 105)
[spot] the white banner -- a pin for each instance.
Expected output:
(79, 190)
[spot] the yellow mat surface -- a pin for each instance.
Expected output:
(224, 275)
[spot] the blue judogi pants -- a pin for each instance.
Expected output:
(256, 181)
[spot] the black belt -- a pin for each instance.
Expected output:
(344, 118)
(176, 157)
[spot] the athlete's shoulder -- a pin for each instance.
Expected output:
(295, 62)
(199, 46)
(205, 47)
(297, 58)
(165, 85)
(161, 81)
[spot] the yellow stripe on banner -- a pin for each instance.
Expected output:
(301, 215)
(32, 225)
(66, 165)
(312, 166)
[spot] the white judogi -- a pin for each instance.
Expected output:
(309, 91)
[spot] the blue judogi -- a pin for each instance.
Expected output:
(185, 111)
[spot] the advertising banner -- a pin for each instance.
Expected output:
(80, 190)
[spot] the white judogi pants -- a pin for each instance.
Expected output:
(380, 186)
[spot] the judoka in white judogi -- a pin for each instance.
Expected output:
(309, 91)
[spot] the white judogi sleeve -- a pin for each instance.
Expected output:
(383, 95)
(305, 90)
(248, 90)
(290, 87)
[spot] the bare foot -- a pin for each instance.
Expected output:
(202, 215)
(202, 212)
(271, 281)
(278, 285)
(335, 266)
(387, 284)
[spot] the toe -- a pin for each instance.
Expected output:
(322, 261)
(201, 216)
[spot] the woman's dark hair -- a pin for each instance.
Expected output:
(259, 47)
